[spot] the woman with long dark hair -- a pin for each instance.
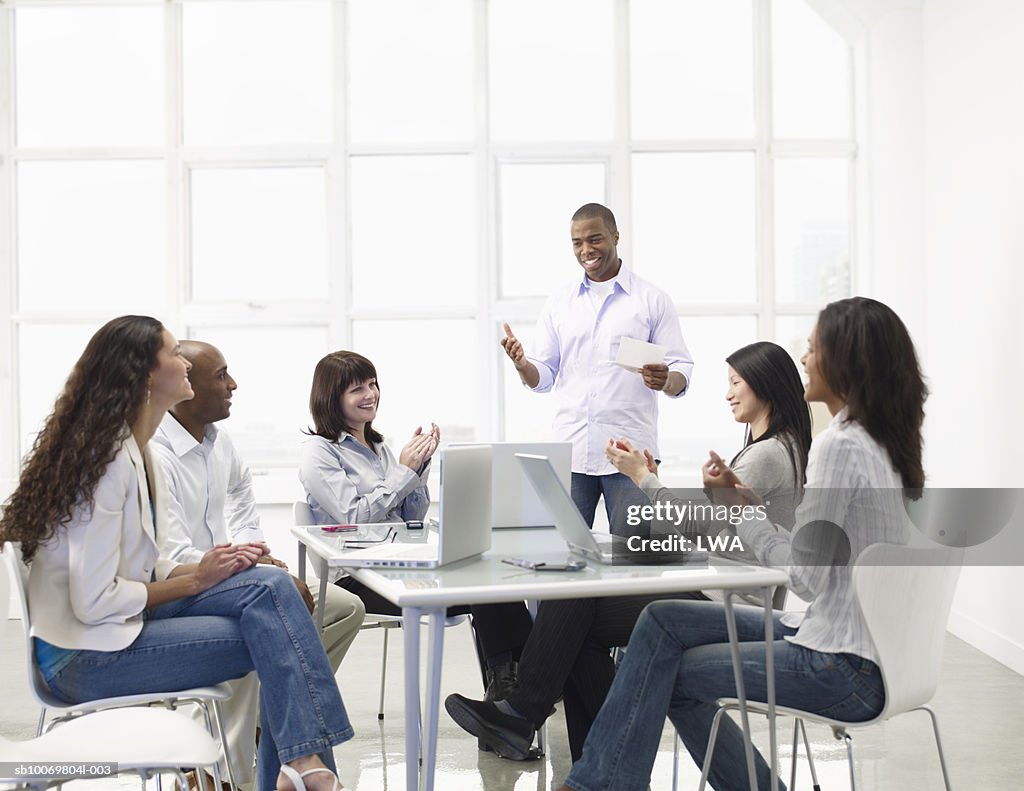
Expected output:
(567, 651)
(766, 394)
(350, 474)
(862, 365)
(110, 615)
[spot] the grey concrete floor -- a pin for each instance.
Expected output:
(980, 704)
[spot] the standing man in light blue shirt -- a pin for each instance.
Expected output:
(578, 337)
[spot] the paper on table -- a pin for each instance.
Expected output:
(634, 355)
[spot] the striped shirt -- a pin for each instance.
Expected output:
(851, 483)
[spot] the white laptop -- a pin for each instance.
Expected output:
(600, 547)
(513, 500)
(462, 529)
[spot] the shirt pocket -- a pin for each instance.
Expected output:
(612, 332)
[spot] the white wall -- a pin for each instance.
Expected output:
(974, 121)
(946, 128)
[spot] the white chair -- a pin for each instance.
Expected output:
(141, 740)
(206, 698)
(302, 515)
(125, 737)
(905, 594)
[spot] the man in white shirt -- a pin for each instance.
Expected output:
(212, 503)
(578, 336)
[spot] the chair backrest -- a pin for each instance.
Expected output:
(302, 514)
(17, 574)
(905, 594)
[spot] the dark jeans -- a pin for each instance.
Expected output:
(679, 663)
(619, 493)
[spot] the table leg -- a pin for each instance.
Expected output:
(769, 667)
(435, 650)
(411, 639)
(302, 562)
(741, 694)
(322, 601)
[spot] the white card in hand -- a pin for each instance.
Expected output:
(634, 355)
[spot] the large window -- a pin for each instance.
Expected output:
(288, 177)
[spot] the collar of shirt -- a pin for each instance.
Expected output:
(841, 417)
(623, 280)
(181, 441)
(348, 440)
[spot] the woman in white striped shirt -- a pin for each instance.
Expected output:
(862, 365)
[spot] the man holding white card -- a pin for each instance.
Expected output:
(605, 348)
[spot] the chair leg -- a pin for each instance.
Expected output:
(796, 747)
(675, 760)
(938, 745)
(810, 757)
(849, 756)
(710, 753)
(542, 736)
(42, 720)
(224, 749)
(383, 672)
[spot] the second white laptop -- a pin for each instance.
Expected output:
(600, 547)
(513, 500)
(463, 528)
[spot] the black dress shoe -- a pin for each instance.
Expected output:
(500, 681)
(508, 736)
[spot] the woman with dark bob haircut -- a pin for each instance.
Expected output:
(861, 364)
(110, 615)
(566, 651)
(350, 475)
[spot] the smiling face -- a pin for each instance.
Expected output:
(168, 381)
(817, 388)
(745, 405)
(212, 383)
(594, 247)
(359, 403)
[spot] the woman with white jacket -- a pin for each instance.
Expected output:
(109, 616)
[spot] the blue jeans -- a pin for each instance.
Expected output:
(678, 664)
(619, 493)
(255, 620)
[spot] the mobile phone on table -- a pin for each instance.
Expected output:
(535, 565)
(414, 524)
(339, 528)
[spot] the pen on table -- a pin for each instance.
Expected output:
(526, 564)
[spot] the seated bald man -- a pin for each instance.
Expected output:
(212, 503)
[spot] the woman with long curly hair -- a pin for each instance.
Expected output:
(862, 365)
(110, 616)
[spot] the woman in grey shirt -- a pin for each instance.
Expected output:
(349, 474)
(766, 394)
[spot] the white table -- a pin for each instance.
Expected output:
(486, 580)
